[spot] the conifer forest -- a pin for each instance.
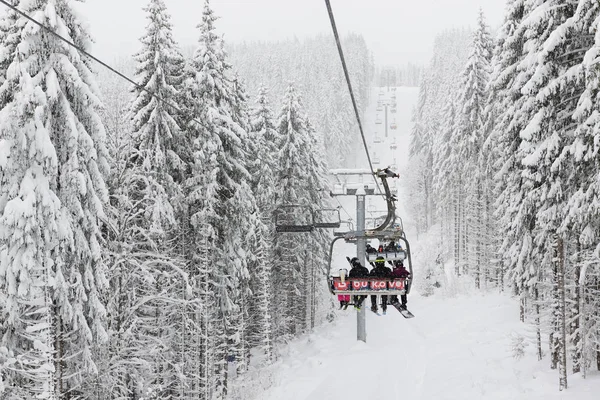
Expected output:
(139, 258)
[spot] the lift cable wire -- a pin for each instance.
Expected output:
(342, 207)
(85, 53)
(341, 53)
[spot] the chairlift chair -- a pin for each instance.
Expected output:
(388, 230)
(338, 188)
(377, 139)
(372, 285)
(294, 218)
(327, 218)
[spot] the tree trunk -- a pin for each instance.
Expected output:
(457, 232)
(574, 326)
(561, 343)
(538, 330)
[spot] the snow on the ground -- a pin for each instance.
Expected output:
(455, 348)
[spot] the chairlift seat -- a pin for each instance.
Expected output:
(388, 255)
(329, 224)
(294, 228)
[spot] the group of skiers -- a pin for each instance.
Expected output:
(380, 270)
(391, 247)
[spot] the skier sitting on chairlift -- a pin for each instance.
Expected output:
(380, 271)
(344, 299)
(357, 271)
(399, 272)
(391, 246)
(371, 249)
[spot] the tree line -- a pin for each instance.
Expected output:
(505, 168)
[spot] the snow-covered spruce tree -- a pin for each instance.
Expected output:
(8, 42)
(515, 216)
(145, 308)
(220, 204)
(52, 192)
(446, 184)
(263, 170)
(552, 91)
(300, 179)
(467, 147)
(439, 85)
(582, 207)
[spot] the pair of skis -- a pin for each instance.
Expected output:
(405, 313)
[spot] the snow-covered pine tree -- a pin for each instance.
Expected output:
(220, 203)
(263, 172)
(437, 89)
(8, 42)
(468, 147)
(290, 188)
(299, 180)
(446, 184)
(552, 91)
(150, 287)
(515, 216)
(52, 195)
(582, 207)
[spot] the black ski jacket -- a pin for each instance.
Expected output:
(358, 271)
(381, 272)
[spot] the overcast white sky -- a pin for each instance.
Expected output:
(397, 31)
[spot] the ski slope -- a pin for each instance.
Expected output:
(457, 346)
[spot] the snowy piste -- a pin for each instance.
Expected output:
(456, 348)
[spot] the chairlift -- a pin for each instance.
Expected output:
(375, 160)
(338, 188)
(387, 231)
(378, 121)
(294, 218)
(393, 111)
(327, 218)
(350, 228)
(377, 139)
(393, 126)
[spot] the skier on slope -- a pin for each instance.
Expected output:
(357, 271)
(380, 271)
(399, 272)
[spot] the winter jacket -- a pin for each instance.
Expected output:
(381, 272)
(371, 249)
(400, 272)
(358, 271)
